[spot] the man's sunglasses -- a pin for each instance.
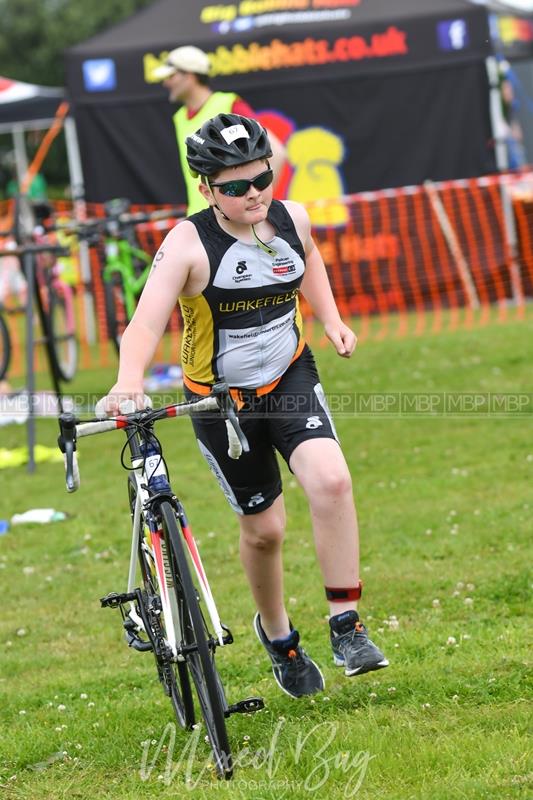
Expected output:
(238, 188)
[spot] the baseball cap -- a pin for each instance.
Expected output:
(186, 59)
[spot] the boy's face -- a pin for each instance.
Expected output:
(249, 208)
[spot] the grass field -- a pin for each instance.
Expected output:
(444, 502)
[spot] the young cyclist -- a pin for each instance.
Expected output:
(236, 269)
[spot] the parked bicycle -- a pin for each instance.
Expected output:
(126, 265)
(164, 612)
(54, 298)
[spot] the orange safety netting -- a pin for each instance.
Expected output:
(414, 260)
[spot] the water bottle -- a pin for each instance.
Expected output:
(154, 467)
(39, 515)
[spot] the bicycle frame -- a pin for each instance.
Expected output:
(119, 258)
(160, 559)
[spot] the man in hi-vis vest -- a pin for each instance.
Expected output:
(185, 75)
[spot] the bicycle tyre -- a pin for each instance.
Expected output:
(199, 656)
(115, 309)
(61, 343)
(5, 348)
(173, 676)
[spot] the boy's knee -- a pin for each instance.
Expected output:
(262, 533)
(332, 484)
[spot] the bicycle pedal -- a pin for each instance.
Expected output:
(114, 600)
(247, 706)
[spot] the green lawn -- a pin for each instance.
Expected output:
(444, 503)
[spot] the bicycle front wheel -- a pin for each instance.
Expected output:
(61, 340)
(5, 348)
(199, 648)
(173, 675)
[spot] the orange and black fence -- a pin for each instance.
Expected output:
(411, 260)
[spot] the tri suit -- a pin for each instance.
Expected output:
(245, 328)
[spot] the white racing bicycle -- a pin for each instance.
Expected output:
(163, 611)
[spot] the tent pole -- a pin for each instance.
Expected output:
(21, 156)
(77, 189)
(502, 163)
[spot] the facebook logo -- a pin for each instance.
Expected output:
(453, 34)
(99, 75)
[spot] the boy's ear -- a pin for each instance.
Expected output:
(206, 193)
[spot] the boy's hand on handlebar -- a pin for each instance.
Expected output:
(120, 401)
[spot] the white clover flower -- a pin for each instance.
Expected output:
(426, 705)
(451, 641)
(391, 689)
(22, 712)
(470, 587)
(435, 603)
(90, 705)
(468, 601)
(61, 707)
(28, 570)
(22, 632)
(372, 695)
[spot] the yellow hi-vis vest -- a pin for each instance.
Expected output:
(217, 103)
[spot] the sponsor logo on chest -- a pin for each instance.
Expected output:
(283, 266)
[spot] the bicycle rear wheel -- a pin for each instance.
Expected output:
(5, 348)
(173, 675)
(199, 648)
(115, 308)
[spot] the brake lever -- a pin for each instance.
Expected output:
(67, 444)
(227, 406)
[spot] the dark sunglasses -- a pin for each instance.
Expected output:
(238, 188)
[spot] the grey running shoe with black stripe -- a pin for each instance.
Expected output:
(294, 671)
(352, 649)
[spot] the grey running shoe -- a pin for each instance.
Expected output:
(293, 670)
(352, 649)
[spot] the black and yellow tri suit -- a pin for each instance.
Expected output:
(245, 327)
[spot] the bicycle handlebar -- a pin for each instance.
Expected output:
(72, 428)
(92, 226)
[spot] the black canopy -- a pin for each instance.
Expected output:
(402, 85)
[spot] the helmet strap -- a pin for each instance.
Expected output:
(215, 202)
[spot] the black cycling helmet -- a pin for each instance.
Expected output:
(226, 140)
